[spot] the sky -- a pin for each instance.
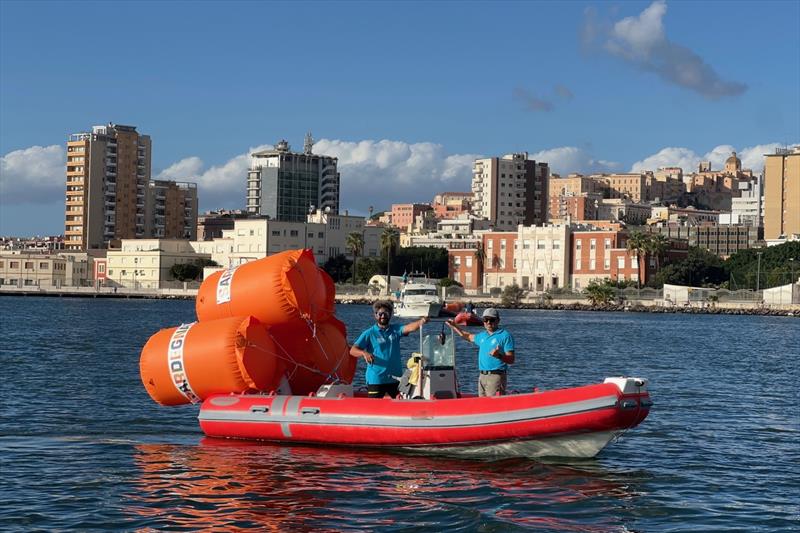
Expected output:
(405, 94)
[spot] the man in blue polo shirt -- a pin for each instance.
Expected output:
(379, 345)
(495, 353)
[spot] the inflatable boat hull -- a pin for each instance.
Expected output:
(576, 422)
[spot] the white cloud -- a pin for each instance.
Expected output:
(33, 175)
(380, 173)
(642, 42)
(569, 159)
(752, 158)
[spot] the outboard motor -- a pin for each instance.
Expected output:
(438, 367)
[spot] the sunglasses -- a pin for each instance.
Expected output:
(383, 313)
(490, 319)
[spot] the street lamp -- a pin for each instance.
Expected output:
(791, 265)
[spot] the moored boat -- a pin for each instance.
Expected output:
(572, 422)
(418, 299)
(467, 319)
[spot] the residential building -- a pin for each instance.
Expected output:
(542, 257)
(510, 190)
(574, 207)
(211, 223)
(107, 174)
(286, 186)
(451, 204)
(623, 210)
(782, 194)
(404, 215)
(687, 215)
(171, 210)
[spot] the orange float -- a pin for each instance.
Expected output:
(314, 355)
(275, 290)
(188, 363)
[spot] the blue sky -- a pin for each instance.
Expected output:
(405, 94)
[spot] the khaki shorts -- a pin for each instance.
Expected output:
(491, 384)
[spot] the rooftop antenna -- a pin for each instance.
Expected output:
(308, 144)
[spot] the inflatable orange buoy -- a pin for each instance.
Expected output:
(314, 356)
(275, 290)
(188, 363)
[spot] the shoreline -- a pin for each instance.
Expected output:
(654, 306)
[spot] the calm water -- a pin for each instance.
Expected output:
(82, 445)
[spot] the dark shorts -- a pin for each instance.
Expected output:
(379, 391)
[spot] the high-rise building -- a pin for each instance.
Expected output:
(510, 190)
(285, 185)
(171, 210)
(782, 193)
(108, 170)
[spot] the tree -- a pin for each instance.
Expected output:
(389, 241)
(480, 257)
(338, 267)
(657, 245)
(699, 268)
(637, 243)
(355, 243)
(600, 292)
(185, 271)
(512, 295)
(448, 282)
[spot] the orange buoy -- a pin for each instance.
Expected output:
(330, 295)
(275, 290)
(314, 355)
(188, 363)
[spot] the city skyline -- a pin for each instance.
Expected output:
(405, 95)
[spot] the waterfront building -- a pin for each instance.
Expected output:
(782, 194)
(285, 185)
(171, 210)
(510, 190)
(20, 269)
(598, 254)
(108, 170)
(146, 263)
(542, 257)
(500, 263)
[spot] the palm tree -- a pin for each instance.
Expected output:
(389, 240)
(480, 257)
(657, 245)
(637, 243)
(355, 243)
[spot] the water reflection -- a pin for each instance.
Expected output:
(231, 484)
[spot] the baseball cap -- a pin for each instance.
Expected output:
(491, 312)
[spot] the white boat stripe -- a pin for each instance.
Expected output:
(502, 417)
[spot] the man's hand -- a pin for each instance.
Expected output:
(368, 357)
(497, 353)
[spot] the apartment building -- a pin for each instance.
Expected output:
(171, 210)
(405, 215)
(723, 240)
(210, 224)
(510, 190)
(146, 263)
(569, 207)
(285, 185)
(601, 254)
(782, 194)
(451, 204)
(108, 170)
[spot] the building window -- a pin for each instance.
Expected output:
(578, 244)
(468, 261)
(526, 245)
(28, 265)
(457, 260)
(556, 245)
(635, 263)
(607, 264)
(276, 233)
(44, 266)
(621, 262)
(608, 243)
(592, 244)
(577, 264)
(592, 264)
(540, 244)
(293, 233)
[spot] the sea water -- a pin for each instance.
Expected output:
(82, 446)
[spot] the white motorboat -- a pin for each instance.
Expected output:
(418, 299)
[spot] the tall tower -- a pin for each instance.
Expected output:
(284, 185)
(108, 170)
(782, 193)
(510, 190)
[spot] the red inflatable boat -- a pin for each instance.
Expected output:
(575, 422)
(467, 319)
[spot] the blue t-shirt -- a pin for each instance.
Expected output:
(384, 344)
(487, 343)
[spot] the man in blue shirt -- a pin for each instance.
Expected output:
(379, 345)
(495, 352)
